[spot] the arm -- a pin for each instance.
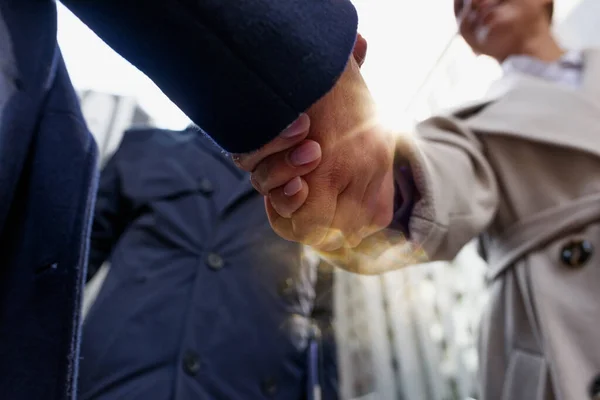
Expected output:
(444, 193)
(217, 57)
(112, 214)
(452, 193)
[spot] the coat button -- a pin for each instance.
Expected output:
(215, 261)
(206, 186)
(269, 386)
(576, 253)
(191, 363)
(595, 388)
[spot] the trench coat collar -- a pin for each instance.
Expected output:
(531, 108)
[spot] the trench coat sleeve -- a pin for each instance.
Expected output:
(241, 70)
(456, 186)
(112, 214)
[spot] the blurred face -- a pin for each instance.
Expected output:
(499, 28)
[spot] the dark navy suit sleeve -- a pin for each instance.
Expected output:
(242, 70)
(112, 214)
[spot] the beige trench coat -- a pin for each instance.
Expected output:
(523, 167)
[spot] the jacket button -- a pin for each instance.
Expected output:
(269, 386)
(206, 187)
(595, 388)
(576, 253)
(191, 363)
(215, 261)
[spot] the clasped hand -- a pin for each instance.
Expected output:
(328, 179)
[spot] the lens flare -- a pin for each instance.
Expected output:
(382, 252)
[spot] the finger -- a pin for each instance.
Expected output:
(281, 225)
(360, 50)
(286, 200)
(291, 136)
(310, 223)
(278, 169)
(350, 217)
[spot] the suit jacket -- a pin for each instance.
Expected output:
(200, 288)
(521, 168)
(263, 61)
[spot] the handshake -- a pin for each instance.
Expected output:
(328, 178)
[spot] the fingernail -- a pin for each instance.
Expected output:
(299, 126)
(307, 153)
(236, 159)
(293, 187)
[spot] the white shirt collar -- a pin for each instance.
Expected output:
(566, 70)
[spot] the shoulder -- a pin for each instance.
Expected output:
(496, 91)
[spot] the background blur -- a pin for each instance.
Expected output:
(404, 335)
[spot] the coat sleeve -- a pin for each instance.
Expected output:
(241, 70)
(456, 192)
(112, 214)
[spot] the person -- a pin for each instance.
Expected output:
(268, 61)
(200, 289)
(518, 170)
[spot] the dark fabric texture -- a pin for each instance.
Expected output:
(47, 170)
(202, 300)
(242, 70)
(263, 61)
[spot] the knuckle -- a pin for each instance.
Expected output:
(340, 174)
(248, 161)
(301, 230)
(308, 230)
(282, 206)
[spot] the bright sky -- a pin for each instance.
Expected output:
(402, 40)
(405, 38)
(94, 65)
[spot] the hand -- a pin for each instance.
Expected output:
(351, 190)
(303, 160)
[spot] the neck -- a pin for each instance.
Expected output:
(543, 47)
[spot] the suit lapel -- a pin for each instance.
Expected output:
(29, 61)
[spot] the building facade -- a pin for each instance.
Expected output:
(108, 116)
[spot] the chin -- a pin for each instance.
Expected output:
(497, 46)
